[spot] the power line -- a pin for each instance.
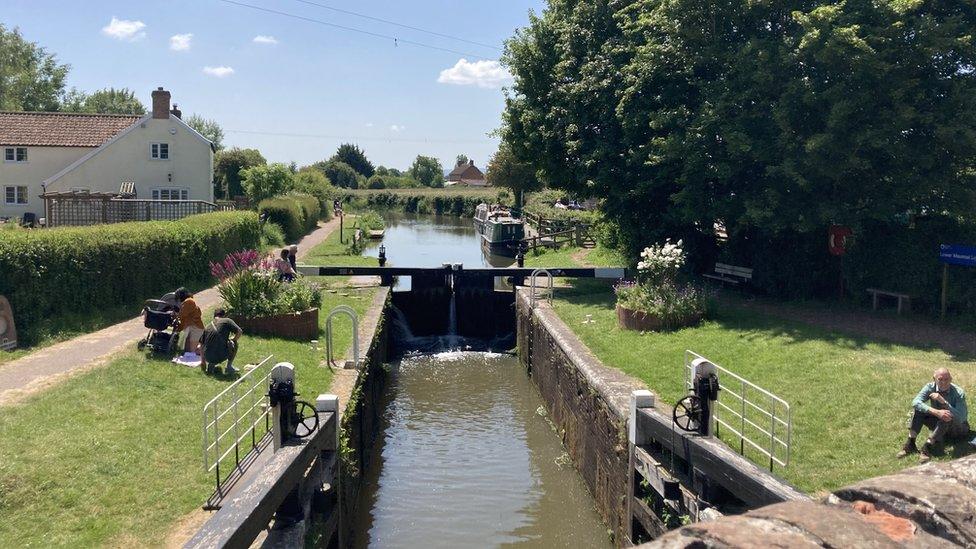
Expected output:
(401, 25)
(357, 138)
(396, 40)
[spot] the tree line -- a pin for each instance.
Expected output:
(768, 120)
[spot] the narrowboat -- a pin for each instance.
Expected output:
(500, 232)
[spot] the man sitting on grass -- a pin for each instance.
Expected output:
(219, 343)
(940, 406)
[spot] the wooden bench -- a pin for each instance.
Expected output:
(902, 298)
(730, 273)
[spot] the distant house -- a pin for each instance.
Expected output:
(467, 174)
(156, 156)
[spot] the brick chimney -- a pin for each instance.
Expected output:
(176, 111)
(160, 103)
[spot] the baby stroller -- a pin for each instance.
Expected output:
(159, 318)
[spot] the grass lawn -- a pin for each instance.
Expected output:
(569, 256)
(334, 253)
(113, 456)
(850, 396)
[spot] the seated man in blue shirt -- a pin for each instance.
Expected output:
(940, 406)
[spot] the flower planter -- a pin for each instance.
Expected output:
(302, 326)
(630, 319)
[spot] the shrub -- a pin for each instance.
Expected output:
(655, 291)
(261, 182)
(370, 221)
(296, 214)
(311, 181)
(52, 272)
(272, 235)
(250, 287)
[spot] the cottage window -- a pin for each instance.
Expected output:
(15, 154)
(15, 194)
(170, 194)
(159, 151)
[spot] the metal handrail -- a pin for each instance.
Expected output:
(240, 424)
(329, 346)
(532, 294)
(744, 404)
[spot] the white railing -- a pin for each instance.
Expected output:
(532, 282)
(237, 421)
(330, 344)
(745, 409)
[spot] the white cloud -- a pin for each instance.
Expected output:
(262, 39)
(219, 72)
(123, 29)
(396, 129)
(484, 74)
(180, 42)
(369, 124)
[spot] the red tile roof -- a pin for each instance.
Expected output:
(58, 129)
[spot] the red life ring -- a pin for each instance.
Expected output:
(837, 236)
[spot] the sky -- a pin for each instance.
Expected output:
(294, 88)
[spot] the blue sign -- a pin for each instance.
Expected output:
(957, 254)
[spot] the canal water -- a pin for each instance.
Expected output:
(467, 456)
(415, 240)
(469, 459)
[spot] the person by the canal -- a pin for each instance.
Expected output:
(941, 406)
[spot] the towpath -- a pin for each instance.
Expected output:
(51, 365)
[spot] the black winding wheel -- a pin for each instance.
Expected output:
(687, 413)
(305, 419)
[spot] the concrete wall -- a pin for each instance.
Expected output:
(42, 162)
(127, 158)
(587, 401)
(933, 505)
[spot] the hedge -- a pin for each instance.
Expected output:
(296, 214)
(422, 201)
(46, 273)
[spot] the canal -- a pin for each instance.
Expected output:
(467, 456)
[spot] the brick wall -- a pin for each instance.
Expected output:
(303, 326)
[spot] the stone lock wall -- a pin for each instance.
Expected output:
(933, 505)
(587, 402)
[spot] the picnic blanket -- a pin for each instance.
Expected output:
(191, 360)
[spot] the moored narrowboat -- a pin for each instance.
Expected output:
(500, 232)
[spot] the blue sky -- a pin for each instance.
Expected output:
(303, 78)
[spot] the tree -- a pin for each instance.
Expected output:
(31, 79)
(355, 158)
(311, 181)
(773, 120)
(227, 169)
(504, 170)
(266, 181)
(339, 173)
(207, 128)
(104, 101)
(428, 171)
(461, 159)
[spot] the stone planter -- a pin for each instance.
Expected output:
(630, 319)
(303, 326)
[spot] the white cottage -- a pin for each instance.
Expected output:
(158, 153)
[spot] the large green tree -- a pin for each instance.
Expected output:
(207, 128)
(505, 170)
(227, 170)
(353, 156)
(774, 118)
(104, 101)
(31, 79)
(427, 170)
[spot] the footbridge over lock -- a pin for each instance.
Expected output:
(465, 302)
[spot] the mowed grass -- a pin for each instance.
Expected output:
(850, 396)
(333, 253)
(113, 457)
(568, 256)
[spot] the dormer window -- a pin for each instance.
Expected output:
(159, 151)
(15, 154)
